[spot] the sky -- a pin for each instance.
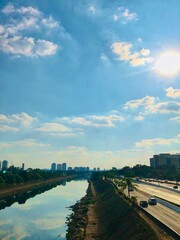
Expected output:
(89, 83)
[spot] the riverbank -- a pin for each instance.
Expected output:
(78, 220)
(105, 215)
(15, 189)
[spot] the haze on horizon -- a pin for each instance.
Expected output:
(89, 83)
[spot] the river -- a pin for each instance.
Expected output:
(43, 216)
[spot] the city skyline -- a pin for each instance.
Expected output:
(89, 83)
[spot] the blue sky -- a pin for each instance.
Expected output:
(90, 83)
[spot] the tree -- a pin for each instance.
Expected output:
(1, 180)
(125, 183)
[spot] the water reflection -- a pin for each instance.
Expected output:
(41, 217)
(22, 197)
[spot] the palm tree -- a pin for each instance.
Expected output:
(125, 183)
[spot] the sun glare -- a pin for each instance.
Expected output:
(168, 63)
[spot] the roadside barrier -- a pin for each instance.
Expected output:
(163, 226)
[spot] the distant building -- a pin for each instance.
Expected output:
(53, 166)
(98, 169)
(22, 168)
(70, 169)
(165, 159)
(0, 165)
(4, 165)
(94, 169)
(59, 167)
(64, 166)
(87, 169)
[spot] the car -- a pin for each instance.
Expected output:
(130, 189)
(152, 201)
(144, 203)
(175, 187)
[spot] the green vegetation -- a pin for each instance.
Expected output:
(143, 171)
(18, 176)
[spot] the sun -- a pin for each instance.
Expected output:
(168, 63)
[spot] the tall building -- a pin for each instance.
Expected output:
(64, 166)
(4, 165)
(53, 166)
(22, 168)
(59, 167)
(165, 159)
(0, 165)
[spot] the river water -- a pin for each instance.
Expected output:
(43, 216)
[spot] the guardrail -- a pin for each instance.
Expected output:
(160, 186)
(168, 204)
(163, 226)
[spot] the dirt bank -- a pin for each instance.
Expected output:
(78, 220)
(118, 220)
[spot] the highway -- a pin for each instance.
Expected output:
(162, 213)
(166, 194)
(160, 184)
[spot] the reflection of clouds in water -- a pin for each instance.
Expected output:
(4, 222)
(70, 191)
(48, 223)
(28, 205)
(15, 233)
(43, 215)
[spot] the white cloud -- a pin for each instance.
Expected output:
(172, 92)
(151, 107)
(95, 120)
(148, 143)
(123, 15)
(44, 48)
(105, 121)
(135, 59)
(1, 29)
(104, 58)
(146, 102)
(176, 119)
(165, 107)
(53, 127)
(145, 52)
(139, 118)
(4, 118)
(50, 22)
(8, 9)
(27, 46)
(26, 143)
(27, 23)
(5, 128)
(92, 9)
(29, 143)
(13, 34)
(70, 134)
(139, 40)
(23, 118)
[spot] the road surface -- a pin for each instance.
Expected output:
(162, 213)
(168, 195)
